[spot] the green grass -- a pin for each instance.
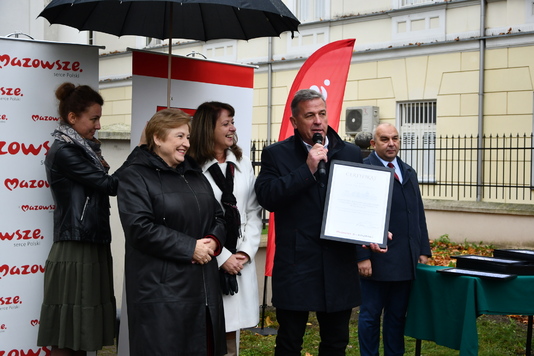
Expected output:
(498, 336)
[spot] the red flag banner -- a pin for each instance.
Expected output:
(325, 71)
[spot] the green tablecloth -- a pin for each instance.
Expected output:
(444, 308)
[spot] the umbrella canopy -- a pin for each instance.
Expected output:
(188, 19)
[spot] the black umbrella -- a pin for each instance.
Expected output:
(188, 19)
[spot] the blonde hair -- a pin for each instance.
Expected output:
(162, 122)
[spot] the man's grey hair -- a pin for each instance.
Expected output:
(304, 95)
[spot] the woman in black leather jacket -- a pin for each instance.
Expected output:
(78, 310)
(174, 228)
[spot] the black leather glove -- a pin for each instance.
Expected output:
(228, 282)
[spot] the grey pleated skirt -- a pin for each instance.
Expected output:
(78, 310)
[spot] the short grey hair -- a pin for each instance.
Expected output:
(304, 95)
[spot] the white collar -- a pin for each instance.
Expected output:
(230, 157)
(385, 163)
(308, 146)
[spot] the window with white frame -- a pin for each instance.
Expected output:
(152, 42)
(221, 50)
(310, 10)
(529, 13)
(415, 2)
(418, 137)
(308, 40)
(423, 26)
(403, 3)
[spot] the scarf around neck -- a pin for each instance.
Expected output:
(65, 133)
(229, 202)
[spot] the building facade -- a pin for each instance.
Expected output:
(455, 76)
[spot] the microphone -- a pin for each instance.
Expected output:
(321, 167)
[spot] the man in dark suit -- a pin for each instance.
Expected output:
(309, 273)
(387, 277)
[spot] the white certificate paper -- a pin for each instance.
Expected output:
(358, 203)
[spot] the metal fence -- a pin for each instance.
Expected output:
(256, 147)
(494, 168)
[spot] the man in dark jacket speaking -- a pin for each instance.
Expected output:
(387, 277)
(309, 273)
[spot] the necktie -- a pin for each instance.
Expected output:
(391, 165)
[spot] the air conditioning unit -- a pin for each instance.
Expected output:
(361, 119)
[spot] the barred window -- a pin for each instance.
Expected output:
(418, 137)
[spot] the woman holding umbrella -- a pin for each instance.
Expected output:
(174, 228)
(214, 146)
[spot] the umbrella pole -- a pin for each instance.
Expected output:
(169, 62)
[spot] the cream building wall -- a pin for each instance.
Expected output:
(430, 51)
(400, 54)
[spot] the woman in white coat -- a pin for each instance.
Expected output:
(214, 146)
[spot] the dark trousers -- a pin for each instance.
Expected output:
(392, 299)
(333, 329)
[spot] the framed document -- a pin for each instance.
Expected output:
(358, 203)
(473, 273)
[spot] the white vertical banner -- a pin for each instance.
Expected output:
(193, 81)
(30, 72)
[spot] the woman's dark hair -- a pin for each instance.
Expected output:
(76, 99)
(202, 128)
(162, 123)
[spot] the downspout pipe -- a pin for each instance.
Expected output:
(482, 56)
(269, 89)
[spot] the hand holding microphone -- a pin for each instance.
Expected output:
(321, 167)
